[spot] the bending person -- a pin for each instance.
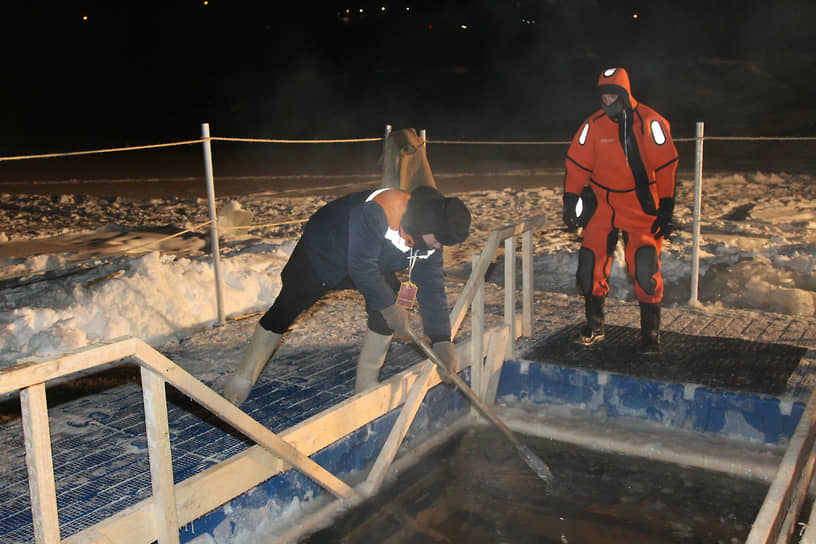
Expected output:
(360, 241)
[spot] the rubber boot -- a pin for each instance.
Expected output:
(649, 328)
(593, 331)
(372, 357)
(261, 347)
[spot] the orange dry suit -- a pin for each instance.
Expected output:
(628, 159)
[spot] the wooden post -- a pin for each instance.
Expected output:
(40, 466)
(412, 403)
(698, 191)
(527, 286)
(496, 346)
(165, 513)
(510, 291)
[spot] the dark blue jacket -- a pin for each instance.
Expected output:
(350, 237)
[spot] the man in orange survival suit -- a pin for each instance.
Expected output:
(625, 154)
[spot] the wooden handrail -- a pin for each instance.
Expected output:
(777, 517)
(477, 274)
(29, 378)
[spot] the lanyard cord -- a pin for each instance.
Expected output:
(412, 258)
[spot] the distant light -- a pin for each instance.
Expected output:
(634, 16)
(84, 17)
(382, 8)
(361, 10)
(407, 8)
(463, 27)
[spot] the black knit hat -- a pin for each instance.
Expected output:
(429, 212)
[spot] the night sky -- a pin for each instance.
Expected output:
(90, 73)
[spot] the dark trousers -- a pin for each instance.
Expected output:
(301, 288)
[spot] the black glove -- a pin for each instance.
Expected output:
(570, 217)
(663, 224)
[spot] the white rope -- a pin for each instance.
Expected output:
(263, 225)
(96, 151)
(271, 141)
(497, 142)
(360, 140)
(758, 138)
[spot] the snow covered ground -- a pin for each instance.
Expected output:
(98, 280)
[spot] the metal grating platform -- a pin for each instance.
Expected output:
(100, 450)
(727, 363)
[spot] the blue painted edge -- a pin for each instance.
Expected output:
(757, 418)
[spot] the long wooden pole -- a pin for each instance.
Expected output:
(533, 461)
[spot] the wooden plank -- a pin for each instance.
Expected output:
(768, 525)
(797, 499)
(234, 416)
(457, 315)
(809, 536)
(165, 514)
(527, 283)
(514, 229)
(30, 372)
(406, 416)
(510, 291)
(40, 466)
(496, 348)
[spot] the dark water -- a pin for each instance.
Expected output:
(476, 489)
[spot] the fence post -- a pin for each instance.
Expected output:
(216, 253)
(698, 191)
(385, 155)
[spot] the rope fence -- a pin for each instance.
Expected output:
(206, 140)
(377, 139)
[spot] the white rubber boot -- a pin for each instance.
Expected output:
(372, 357)
(261, 347)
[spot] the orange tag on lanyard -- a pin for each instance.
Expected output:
(407, 295)
(408, 291)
